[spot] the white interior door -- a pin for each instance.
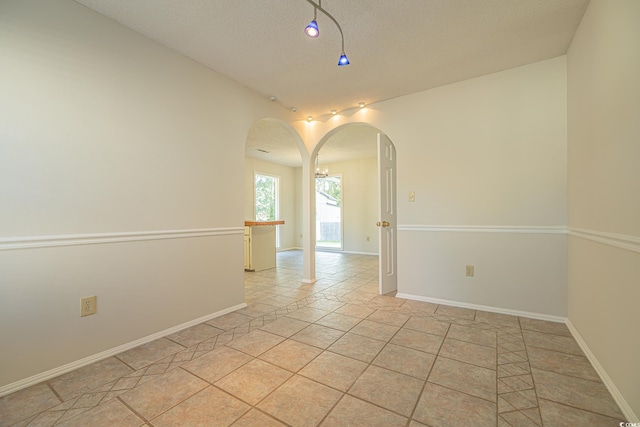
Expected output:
(387, 225)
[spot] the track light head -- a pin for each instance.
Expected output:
(312, 29)
(343, 60)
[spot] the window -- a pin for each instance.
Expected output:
(266, 200)
(329, 212)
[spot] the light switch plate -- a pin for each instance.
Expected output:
(412, 196)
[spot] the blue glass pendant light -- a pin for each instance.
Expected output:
(312, 29)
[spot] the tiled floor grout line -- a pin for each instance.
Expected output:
(533, 380)
(54, 392)
(136, 413)
(426, 380)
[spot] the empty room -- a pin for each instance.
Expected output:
(436, 203)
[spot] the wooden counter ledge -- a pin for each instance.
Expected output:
(261, 223)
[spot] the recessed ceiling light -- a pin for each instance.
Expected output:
(334, 112)
(273, 98)
(294, 109)
(361, 104)
(309, 118)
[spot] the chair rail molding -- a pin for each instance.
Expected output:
(30, 242)
(526, 229)
(622, 241)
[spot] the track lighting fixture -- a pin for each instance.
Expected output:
(313, 31)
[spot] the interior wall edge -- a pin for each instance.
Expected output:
(52, 373)
(602, 373)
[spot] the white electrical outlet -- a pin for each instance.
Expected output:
(88, 306)
(470, 271)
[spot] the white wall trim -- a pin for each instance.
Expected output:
(47, 375)
(617, 396)
(560, 229)
(360, 253)
(622, 241)
(20, 242)
(519, 313)
(288, 249)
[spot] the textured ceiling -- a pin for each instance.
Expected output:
(396, 47)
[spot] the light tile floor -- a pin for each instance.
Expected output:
(333, 354)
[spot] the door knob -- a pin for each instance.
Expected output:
(384, 224)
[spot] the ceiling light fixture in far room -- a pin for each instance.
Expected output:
(321, 174)
(334, 112)
(309, 119)
(361, 104)
(294, 109)
(312, 30)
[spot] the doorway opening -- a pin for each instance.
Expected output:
(329, 212)
(275, 158)
(365, 158)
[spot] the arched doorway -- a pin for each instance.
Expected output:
(362, 159)
(275, 162)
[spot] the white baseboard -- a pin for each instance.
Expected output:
(617, 396)
(520, 313)
(47, 375)
(360, 253)
(338, 250)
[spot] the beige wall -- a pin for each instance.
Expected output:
(104, 133)
(289, 202)
(603, 189)
(486, 159)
